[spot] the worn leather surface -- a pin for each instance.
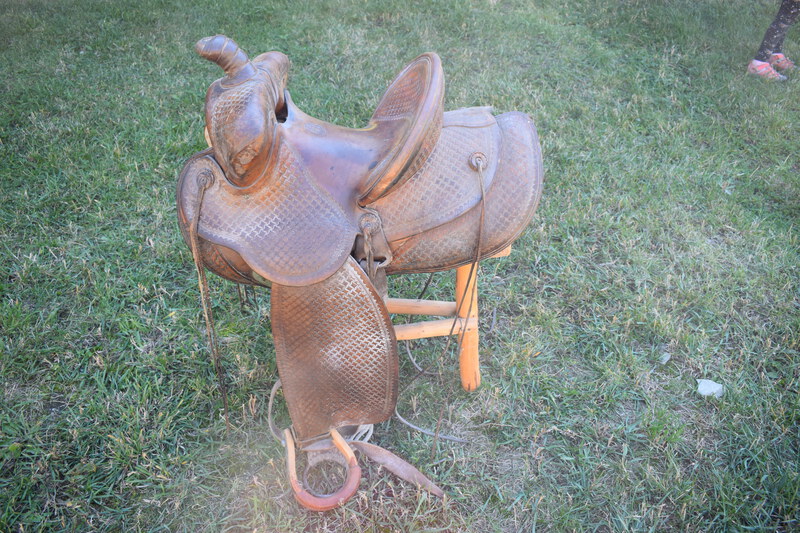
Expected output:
(294, 199)
(444, 186)
(293, 186)
(291, 232)
(336, 352)
(511, 200)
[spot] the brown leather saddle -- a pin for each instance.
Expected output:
(323, 213)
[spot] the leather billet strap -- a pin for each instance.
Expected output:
(397, 466)
(371, 249)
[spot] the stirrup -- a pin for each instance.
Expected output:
(338, 498)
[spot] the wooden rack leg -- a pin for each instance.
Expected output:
(468, 361)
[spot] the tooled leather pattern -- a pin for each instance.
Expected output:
(445, 186)
(290, 232)
(187, 191)
(432, 135)
(228, 108)
(336, 352)
(412, 90)
(509, 207)
(403, 98)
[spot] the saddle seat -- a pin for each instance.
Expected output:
(362, 165)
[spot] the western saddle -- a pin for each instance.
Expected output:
(322, 214)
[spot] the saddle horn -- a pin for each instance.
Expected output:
(226, 53)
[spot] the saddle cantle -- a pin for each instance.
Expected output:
(322, 213)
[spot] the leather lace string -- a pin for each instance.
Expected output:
(273, 428)
(479, 166)
(204, 181)
(471, 281)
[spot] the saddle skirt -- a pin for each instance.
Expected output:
(320, 212)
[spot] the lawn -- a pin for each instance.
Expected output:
(666, 249)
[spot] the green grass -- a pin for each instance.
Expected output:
(669, 225)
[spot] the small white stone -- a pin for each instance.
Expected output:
(665, 358)
(706, 387)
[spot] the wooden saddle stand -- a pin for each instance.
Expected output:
(322, 214)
